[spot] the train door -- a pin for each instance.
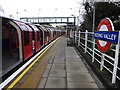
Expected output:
(26, 40)
(51, 34)
(35, 38)
(45, 37)
(48, 36)
(54, 34)
(42, 40)
(10, 46)
(33, 41)
(10, 42)
(41, 37)
(14, 42)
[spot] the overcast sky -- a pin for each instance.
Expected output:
(40, 8)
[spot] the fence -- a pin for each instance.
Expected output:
(108, 60)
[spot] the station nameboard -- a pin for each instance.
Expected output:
(106, 36)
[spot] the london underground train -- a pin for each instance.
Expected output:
(20, 41)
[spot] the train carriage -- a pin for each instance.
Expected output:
(42, 40)
(51, 34)
(48, 33)
(11, 44)
(21, 40)
(16, 43)
(26, 39)
(35, 38)
(54, 34)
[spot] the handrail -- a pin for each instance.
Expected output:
(84, 40)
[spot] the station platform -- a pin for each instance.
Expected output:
(59, 67)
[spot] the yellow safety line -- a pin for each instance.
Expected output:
(25, 71)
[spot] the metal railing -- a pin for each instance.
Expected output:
(108, 60)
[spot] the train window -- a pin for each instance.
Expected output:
(26, 38)
(36, 28)
(14, 36)
(24, 27)
(4, 32)
(38, 36)
(45, 34)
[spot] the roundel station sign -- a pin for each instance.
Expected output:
(105, 35)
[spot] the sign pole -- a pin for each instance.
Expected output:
(93, 15)
(93, 30)
(116, 60)
(86, 38)
(102, 61)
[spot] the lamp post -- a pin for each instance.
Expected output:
(25, 11)
(56, 11)
(17, 15)
(93, 30)
(39, 11)
(93, 16)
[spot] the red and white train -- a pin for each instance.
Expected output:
(21, 40)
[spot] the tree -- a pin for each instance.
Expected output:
(102, 10)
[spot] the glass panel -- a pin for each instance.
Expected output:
(24, 27)
(38, 36)
(26, 38)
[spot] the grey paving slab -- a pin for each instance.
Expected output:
(60, 51)
(51, 61)
(76, 71)
(60, 54)
(71, 51)
(49, 66)
(60, 57)
(58, 67)
(72, 59)
(82, 85)
(72, 55)
(59, 61)
(66, 70)
(56, 82)
(79, 77)
(46, 73)
(75, 64)
(42, 83)
(77, 68)
(57, 73)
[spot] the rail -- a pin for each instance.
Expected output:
(108, 60)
